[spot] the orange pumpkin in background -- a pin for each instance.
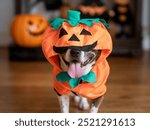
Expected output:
(27, 30)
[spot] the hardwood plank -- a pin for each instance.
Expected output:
(27, 86)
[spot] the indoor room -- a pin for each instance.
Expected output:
(26, 70)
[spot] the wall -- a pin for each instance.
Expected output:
(6, 14)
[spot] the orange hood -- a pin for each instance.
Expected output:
(99, 35)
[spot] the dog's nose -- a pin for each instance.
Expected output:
(75, 53)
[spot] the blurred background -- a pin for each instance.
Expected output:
(25, 76)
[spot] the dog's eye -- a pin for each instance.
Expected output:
(62, 33)
(85, 32)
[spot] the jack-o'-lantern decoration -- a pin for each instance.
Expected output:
(81, 34)
(124, 18)
(94, 9)
(27, 30)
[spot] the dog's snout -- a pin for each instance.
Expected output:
(75, 53)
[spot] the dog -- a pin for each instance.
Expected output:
(86, 60)
(77, 49)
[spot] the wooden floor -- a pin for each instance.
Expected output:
(27, 86)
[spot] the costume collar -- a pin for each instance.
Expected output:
(74, 82)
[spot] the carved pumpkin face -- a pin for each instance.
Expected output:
(96, 10)
(81, 37)
(27, 30)
(122, 2)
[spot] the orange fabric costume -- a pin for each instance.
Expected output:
(100, 35)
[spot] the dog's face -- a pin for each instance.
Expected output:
(77, 62)
(76, 46)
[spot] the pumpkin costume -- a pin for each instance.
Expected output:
(85, 35)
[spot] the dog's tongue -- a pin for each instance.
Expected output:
(75, 70)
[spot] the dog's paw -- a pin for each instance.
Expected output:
(84, 105)
(76, 99)
(93, 110)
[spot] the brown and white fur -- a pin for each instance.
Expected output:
(87, 60)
